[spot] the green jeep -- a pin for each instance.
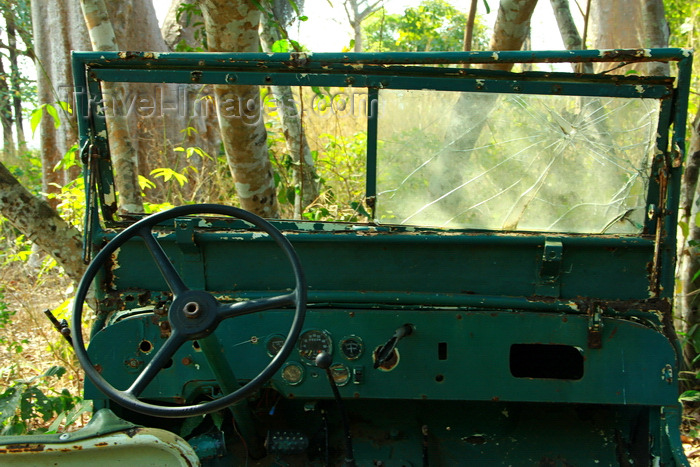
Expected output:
(502, 295)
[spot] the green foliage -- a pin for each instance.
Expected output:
(192, 15)
(6, 316)
(52, 111)
(28, 402)
(434, 25)
(341, 166)
(28, 171)
(684, 23)
(71, 201)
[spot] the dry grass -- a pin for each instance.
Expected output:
(35, 344)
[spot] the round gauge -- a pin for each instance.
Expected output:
(274, 344)
(351, 347)
(312, 343)
(292, 373)
(340, 373)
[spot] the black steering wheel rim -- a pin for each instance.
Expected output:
(129, 399)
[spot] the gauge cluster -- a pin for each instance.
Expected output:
(312, 342)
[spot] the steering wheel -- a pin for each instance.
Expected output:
(193, 314)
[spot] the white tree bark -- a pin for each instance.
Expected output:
(123, 153)
(512, 28)
(232, 26)
(41, 224)
(58, 28)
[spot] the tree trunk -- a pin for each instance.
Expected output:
(687, 299)
(58, 27)
(15, 78)
(232, 26)
(569, 34)
(656, 33)
(620, 24)
(123, 153)
(469, 27)
(6, 116)
(512, 28)
(304, 175)
(182, 30)
(41, 224)
(357, 11)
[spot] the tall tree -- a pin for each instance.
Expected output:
(304, 176)
(469, 27)
(684, 25)
(512, 28)
(123, 153)
(6, 113)
(232, 26)
(569, 33)
(357, 11)
(619, 24)
(15, 77)
(58, 27)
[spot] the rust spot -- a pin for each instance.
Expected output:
(459, 316)
(356, 395)
(187, 361)
(390, 363)
(25, 447)
(103, 443)
(132, 432)
(352, 314)
(98, 367)
(164, 329)
(495, 398)
(132, 363)
(144, 298)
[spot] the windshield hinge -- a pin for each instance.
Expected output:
(595, 326)
(548, 282)
(192, 269)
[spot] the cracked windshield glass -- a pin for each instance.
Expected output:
(514, 161)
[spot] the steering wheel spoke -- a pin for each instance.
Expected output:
(229, 310)
(170, 274)
(158, 362)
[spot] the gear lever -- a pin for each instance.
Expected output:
(323, 361)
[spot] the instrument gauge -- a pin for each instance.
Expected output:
(274, 344)
(351, 347)
(340, 374)
(312, 343)
(292, 373)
